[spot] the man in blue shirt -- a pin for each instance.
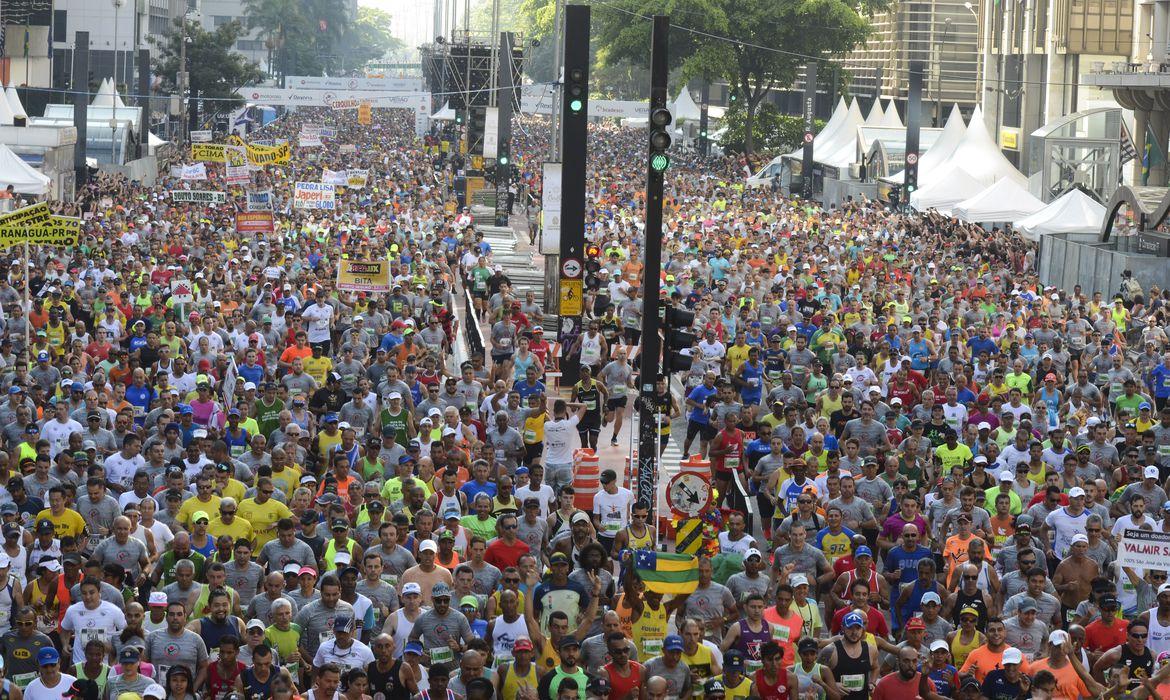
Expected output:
(699, 418)
(1160, 382)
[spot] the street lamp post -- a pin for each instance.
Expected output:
(938, 74)
(117, 20)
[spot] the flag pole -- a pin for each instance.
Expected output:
(27, 301)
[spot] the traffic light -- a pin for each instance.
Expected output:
(502, 156)
(679, 338)
(659, 139)
(577, 86)
(459, 117)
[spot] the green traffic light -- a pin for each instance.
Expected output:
(503, 160)
(576, 105)
(659, 162)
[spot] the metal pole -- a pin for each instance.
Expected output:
(705, 139)
(558, 82)
(810, 104)
(651, 343)
(27, 303)
(576, 146)
(183, 82)
(913, 122)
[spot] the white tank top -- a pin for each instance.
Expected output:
(590, 350)
(402, 629)
(504, 635)
(1159, 635)
(449, 503)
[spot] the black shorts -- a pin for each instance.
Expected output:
(589, 424)
(633, 335)
(615, 404)
(499, 358)
(479, 294)
(704, 430)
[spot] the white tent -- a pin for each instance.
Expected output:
(981, 158)
(107, 96)
(876, 114)
(1005, 200)
(445, 114)
(945, 190)
(6, 113)
(938, 155)
(684, 107)
(14, 103)
(827, 134)
(891, 118)
(154, 142)
(1072, 212)
(25, 178)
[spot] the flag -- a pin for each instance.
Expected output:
(667, 573)
(1152, 154)
(1128, 152)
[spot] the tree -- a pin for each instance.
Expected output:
(752, 45)
(370, 36)
(216, 70)
(307, 36)
(775, 132)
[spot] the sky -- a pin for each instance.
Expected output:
(413, 19)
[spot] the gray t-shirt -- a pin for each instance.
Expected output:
(868, 436)
(1029, 640)
(678, 679)
(246, 581)
(436, 631)
(129, 555)
(276, 555)
(397, 562)
(855, 512)
(165, 650)
(595, 653)
(316, 622)
(260, 608)
(178, 595)
(809, 560)
(740, 584)
(709, 603)
(380, 594)
(98, 515)
(116, 685)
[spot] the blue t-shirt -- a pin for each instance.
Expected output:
(1160, 381)
(525, 389)
(979, 345)
(699, 395)
(472, 488)
(899, 558)
(996, 686)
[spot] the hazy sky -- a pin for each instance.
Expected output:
(413, 19)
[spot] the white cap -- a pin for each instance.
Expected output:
(1076, 492)
(1151, 472)
(1012, 655)
(1080, 537)
(1094, 420)
(342, 558)
(939, 645)
(157, 598)
(412, 587)
(1058, 637)
(931, 597)
(984, 426)
(980, 459)
(250, 386)
(753, 552)
(428, 546)
(1164, 588)
(434, 412)
(394, 395)
(154, 690)
(895, 401)
(255, 623)
(797, 580)
(1005, 475)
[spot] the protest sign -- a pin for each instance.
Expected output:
(207, 152)
(1144, 549)
(194, 171)
(314, 195)
(201, 136)
(254, 222)
(198, 196)
(357, 178)
(237, 171)
(363, 275)
(333, 177)
(260, 201)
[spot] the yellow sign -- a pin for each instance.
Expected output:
(365, 114)
(572, 297)
(264, 155)
(1009, 139)
(688, 536)
(363, 275)
(28, 216)
(208, 152)
(55, 231)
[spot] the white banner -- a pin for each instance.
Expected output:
(1144, 549)
(194, 171)
(550, 203)
(491, 132)
(309, 136)
(347, 148)
(326, 98)
(357, 178)
(201, 136)
(333, 177)
(314, 195)
(237, 170)
(385, 84)
(199, 196)
(328, 132)
(260, 201)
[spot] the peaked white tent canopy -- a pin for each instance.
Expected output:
(1005, 200)
(684, 107)
(945, 190)
(6, 114)
(1072, 212)
(876, 114)
(938, 156)
(14, 103)
(23, 177)
(982, 159)
(445, 114)
(830, 130)
(107, 96)
(891, 118)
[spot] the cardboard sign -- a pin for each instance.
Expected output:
(260, 201)
(333, 177)
(254, 222)
(314, 195)
(363, 275)
(357, 178)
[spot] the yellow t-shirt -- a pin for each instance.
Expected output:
(263, 517)
(233, 489)
(835, 546)
(191, 505)
(737, 355)
(239, 529)
(287, 480)
(534, 429)
(317, 368)
(69, 523)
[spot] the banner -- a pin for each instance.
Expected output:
(201, 136)
(194, 171)
(338, 105)
(260, 201)
(310, 136)
(347, 148)
(263, 155)
(1144, 549)
(365, 114)
(199, 196)
(54, 230)
(328, 132)
(363, 275)
(357, 178)
(333, 177)
(208, 152)
(238, 171)
(550, 215)
(34, 215)
(254, 222)
(314, 195)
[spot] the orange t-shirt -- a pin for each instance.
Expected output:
(954, 554)
(1002, 530)
(1069, 685)
(292, 352)
(983, 661)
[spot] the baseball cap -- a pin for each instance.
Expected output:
(522, 644)
(413, 648)
(129, 655)
(915, 623)
(254, 623)
(469, 600)
(931, 597)
(1006, 475)
(853, 619)
(412, 588)
(673, 642)
(714, 685)
(558, 558)
(969, 611)
(598, 686)
(1080, 537)
(569, 641)
(797, 580)
(342, 623)
(428, 546)
(1027, 604)
(1076, 492)
(1012, 655)
(306, 570)
(1150, 472)
(863, 551)
(1058, 637)
(47, 655)
(939, 645)
(440, 590)
(154, 691)
(200, 515)
(753, 552)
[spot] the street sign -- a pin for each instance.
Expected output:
(572, 302)
(688, 494)
(808, 138)
(571, 268)
(911, 158)
(688, 536)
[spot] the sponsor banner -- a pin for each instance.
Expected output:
(357, 178)
(314, 195)
(380, 84)
(344, 104)
(55, 230)
(199, 196)
(208, 152)
(194, 171)
(1144, 549)
(363, 275)
(550, 216)
(201, 136)
(254, 222)
(326, 98)
(333, 177)
(260, 201)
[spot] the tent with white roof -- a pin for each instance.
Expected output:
(891, 118)
(14, 102)
(6, 113)
(1072, 212)
(938, 156)
(1004, 200)
(981, 157)
(24, 178)
(107, 96)
(946, 189)
(684, 107)
(876, 114)
(445, 114)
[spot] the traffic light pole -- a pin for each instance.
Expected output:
(574, 154)
(656, 164)
(913, 129)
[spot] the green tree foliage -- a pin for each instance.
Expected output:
(370, 37)
(307, 37)
(216, 71)
(775, 133)
(752, 45)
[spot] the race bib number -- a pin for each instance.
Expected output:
(23, 679)
(853, 682)
(441, 655)
(530, 436)
(652, 647)
(500, 455)
(781, 633)
(618, 391)
(391, 579)
(731, 463)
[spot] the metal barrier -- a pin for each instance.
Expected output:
(475, 344)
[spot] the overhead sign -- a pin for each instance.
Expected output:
(1144, 549)
(254, 222)
(260, 201)
(199, 196)
(314, 195)
(363, 275)
(382, 84)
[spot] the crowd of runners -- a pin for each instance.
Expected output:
(279, 489)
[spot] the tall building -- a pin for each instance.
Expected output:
(117, 30)
(1037, 55)
(216, 13)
